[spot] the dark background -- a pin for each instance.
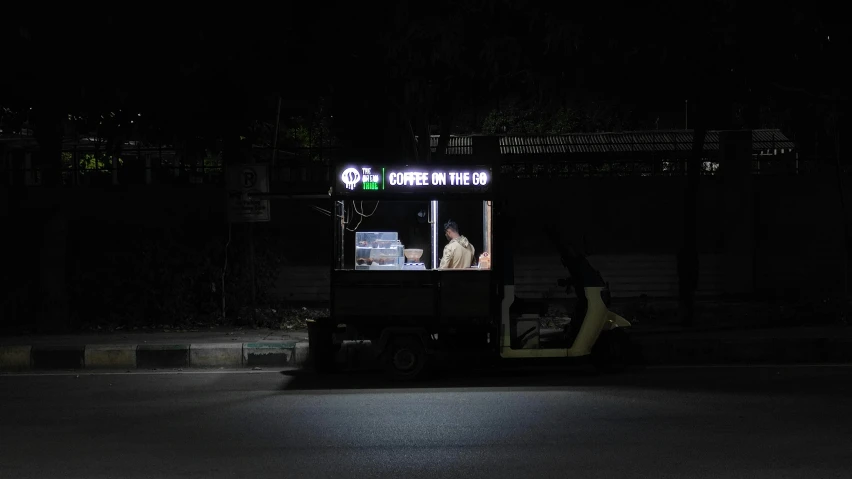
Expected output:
(205, 86)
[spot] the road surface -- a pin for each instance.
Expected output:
(717, 422)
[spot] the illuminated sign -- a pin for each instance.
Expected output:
(370, 180)
(350, 178)
(359, 178)
(438, 178)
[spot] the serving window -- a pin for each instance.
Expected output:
(410, 235)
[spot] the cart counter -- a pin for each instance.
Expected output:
(445, 295)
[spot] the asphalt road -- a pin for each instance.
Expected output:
(732, 422)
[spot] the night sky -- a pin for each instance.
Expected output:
(381, 71)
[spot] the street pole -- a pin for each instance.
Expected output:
(252, 272)
(847, 237)
(275, 137)
(252, 269)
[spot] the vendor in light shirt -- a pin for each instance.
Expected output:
(459, 253)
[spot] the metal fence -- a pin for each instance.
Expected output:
(145, 168)
(761, 165)
(167, 168)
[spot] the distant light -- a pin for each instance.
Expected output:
(131, 121)
(828, 37)
(138, 114)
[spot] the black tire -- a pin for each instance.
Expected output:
(405, 358)
(323, 351)
(325, 360)
(611, 353)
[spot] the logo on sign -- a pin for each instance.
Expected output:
(249, 178)
(350, 178)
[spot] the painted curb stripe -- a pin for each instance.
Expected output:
(300, 354)
(156, 356)
(269, 354)
(15, 358)
(220, 355)
(58, 357)
(162, 347)
(277, 345)
(670, 351)
(110, 356)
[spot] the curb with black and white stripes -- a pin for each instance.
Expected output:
(154, 356)
(656, 351)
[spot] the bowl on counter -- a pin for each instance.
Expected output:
(413, 255)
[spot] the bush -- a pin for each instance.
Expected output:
(143, 277)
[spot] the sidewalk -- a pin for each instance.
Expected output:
(227, 348)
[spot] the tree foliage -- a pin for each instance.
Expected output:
(406, 69)
(196, 79)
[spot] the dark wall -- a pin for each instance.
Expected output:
(613, 215)
(147, 253)
(799, 234)
(54, 236)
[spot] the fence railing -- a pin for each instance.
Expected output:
(133, 170)
(763, 166)
(162, 170)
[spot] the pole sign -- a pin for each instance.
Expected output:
(243, 182)
(373, 180)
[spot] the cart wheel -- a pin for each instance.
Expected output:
(611, 351)
(405, 358)
(322, 349)
(325, 360)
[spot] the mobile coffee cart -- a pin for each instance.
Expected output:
(386, 286)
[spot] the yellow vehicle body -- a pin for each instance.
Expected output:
(597, 320)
